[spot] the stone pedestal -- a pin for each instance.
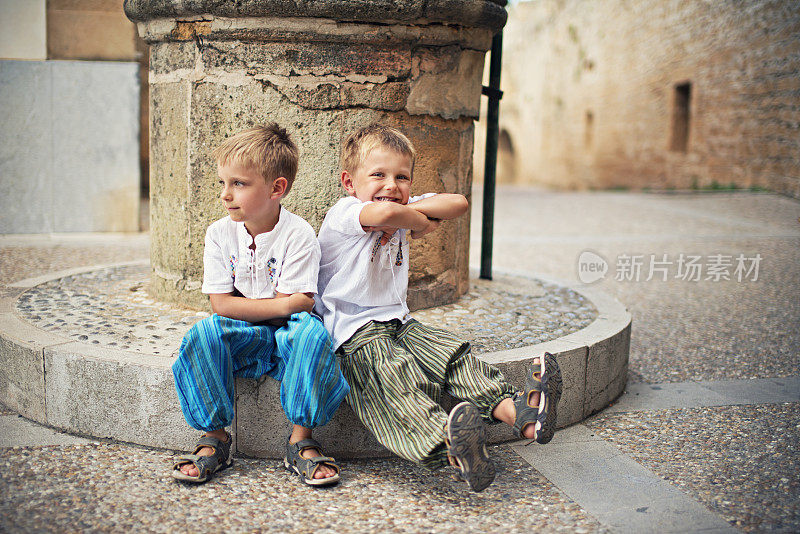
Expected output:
(321, 69)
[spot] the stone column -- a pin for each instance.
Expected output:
(320, 68)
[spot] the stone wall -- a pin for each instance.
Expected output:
(593, 93)
(89, 30)
(213, 74)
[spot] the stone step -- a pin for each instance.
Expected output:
(61, 363)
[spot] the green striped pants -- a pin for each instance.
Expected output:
(397, 373)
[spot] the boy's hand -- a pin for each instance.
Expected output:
(388, 232)
(296, 303)
(433, 224)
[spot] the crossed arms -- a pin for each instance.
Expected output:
(421, 217)
(258, 310)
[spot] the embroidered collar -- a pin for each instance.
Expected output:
(244, 239)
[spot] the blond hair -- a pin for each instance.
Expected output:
(265, 148)
(363, 141)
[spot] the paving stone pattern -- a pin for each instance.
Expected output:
(742, 462)
(111, 307)
(79, 488)
(21, 262)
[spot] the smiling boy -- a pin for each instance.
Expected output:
(396, 367)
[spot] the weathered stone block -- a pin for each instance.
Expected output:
(484, 14)
(573, 373)
(107, 393)
(227, 68)
(262, 427)
(446, 82)
(310, 59)
(167, 58)
(606, 371)
(390, 96)
(22, 384)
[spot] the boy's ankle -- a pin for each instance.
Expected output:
(299, 433)
(220, 434)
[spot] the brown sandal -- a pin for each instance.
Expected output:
(306, 467)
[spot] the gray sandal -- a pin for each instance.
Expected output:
(306, 467)
(206, 465)
(547, 381)
(466, 446)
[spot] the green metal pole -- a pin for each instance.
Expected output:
(490, 166)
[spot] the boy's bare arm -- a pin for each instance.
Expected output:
(442, 206)
(392, 215)
(258, 310)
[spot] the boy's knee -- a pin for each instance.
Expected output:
(199, 331)
(204, 325)
(311, 325)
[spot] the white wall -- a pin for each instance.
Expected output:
(23, 29)
(69, 146)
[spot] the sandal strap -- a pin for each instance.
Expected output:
(309, 466)
(205, 464)
(214, 443)
(222, 451)
(526, 414)
(308, 443)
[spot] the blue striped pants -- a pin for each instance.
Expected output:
(299, 355)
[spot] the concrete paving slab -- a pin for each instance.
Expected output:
(641, 397)
(616, 490)
(18, 432)
(738, 461)
(646, 397)
(757, 391)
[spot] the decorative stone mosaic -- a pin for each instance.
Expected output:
(111, 308)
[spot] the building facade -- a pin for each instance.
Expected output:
(70, 144)
(652, 94)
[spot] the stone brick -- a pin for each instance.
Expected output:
(484, 14)
(573, 372)
(262, 428)
(606, 371)
(446, 81)
(303, 58)
(107, 393)
(22, 366)
(170, 57)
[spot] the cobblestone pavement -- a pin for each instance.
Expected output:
(110, 307)
(740, 463)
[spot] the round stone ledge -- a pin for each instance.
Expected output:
(488, 14)
(81, 383)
